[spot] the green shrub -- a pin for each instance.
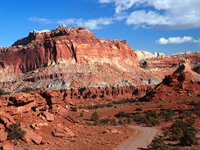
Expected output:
(3, 92)
(75, 109)
(121, 114)
(138, 118)
(95, 117)
(26, 89)
(167, 114)
(184, 132)
(81, 114)
(15, 132)
(109, 104)
(158, 144)
(196, 109)
(189, 137)
(108, 121)
(151, 118)
(151, 113)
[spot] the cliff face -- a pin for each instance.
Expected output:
(68, 58)
(64, 45)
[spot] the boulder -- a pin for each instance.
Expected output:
(6, 119)
(114, 130)
(8, 146)
(61, 131)
(32, 136)
(48, 116)
(38, 125)
(3, 135)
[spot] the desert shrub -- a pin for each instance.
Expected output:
(196, 109)
(109, 104)
(26, 89)
(123, 101)
(15, 132)
(151, 113)
(184, 132)
(121, 114)
(167, 114)
(81, 114)
(95, 117)
(108, 121)
(138, 118)
(158, 144)
(151, 121)
(189, 137)
(151, 118)
(113, 122)
(104, 121)
(3, 92)
(74, 109)
(185, 113)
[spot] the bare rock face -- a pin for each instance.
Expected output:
(68, 58)
(144, 55)
(64, 45)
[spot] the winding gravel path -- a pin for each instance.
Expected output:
(141, 139)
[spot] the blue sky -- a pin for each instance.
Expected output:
(167, 26)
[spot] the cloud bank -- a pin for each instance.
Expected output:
(166, 14)
(177, 40)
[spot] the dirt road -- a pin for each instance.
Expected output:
(141, 139)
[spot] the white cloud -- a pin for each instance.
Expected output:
(121, 5)
(40, 20)
(147, 18)
(92, 24)
(169, 14)
(177, 40)
(197, 41)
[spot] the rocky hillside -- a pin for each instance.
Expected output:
(69, 58)
(64, 45)
(167, 65)
(183, 84)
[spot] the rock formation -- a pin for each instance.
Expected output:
(144, 55)
(182, 84)
(64, 45)
(67, 58)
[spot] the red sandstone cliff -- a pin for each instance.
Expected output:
(64, 45)
(69, 58)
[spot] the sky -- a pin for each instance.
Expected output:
(168, 26)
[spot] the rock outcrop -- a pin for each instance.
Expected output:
(181, 85)
(69, 58)
(144, 55)
(64, 45)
